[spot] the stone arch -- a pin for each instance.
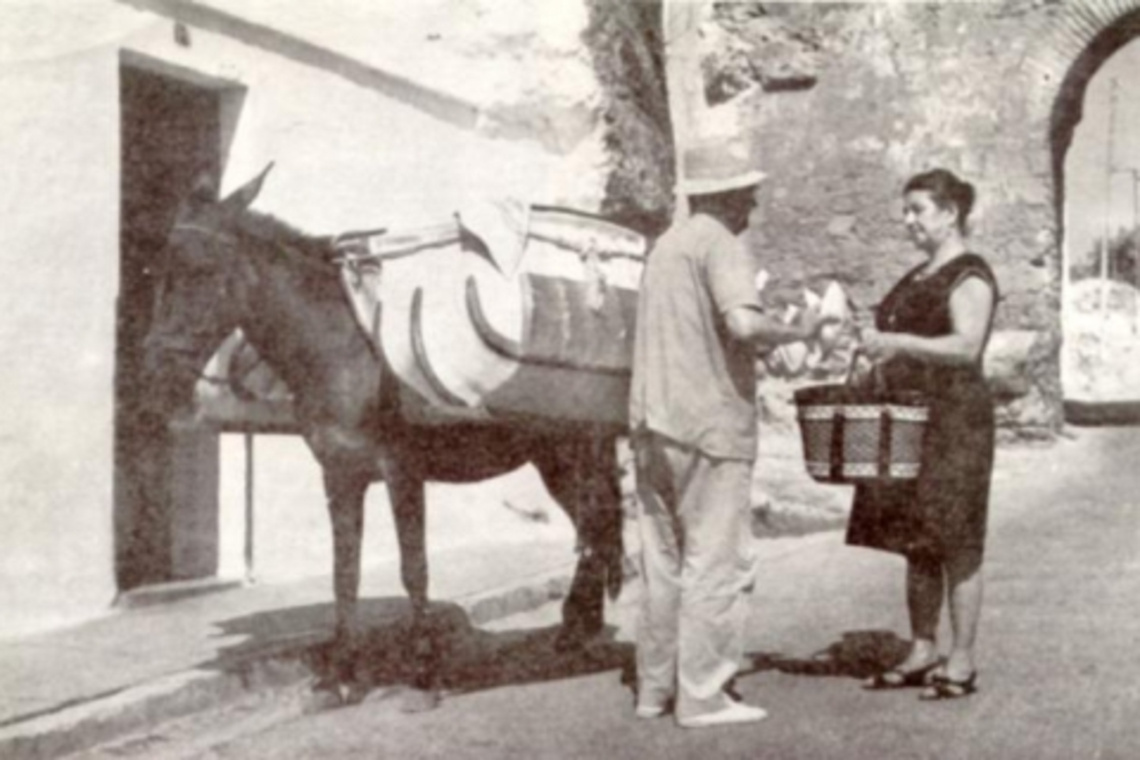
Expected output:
(1075, 39)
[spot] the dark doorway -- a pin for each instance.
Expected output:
(165, 482)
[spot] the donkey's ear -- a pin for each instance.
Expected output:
(239, 200)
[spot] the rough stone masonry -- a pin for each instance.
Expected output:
(844, 103)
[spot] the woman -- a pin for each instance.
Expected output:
(930, 335)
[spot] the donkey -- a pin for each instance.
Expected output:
(226, 267)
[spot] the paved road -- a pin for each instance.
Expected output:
(1059, 675)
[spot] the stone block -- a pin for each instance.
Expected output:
(741, 49)
(841, 226)
(1007, 361)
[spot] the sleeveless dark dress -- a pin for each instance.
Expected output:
(943, 512)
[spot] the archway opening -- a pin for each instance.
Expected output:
(1100, 172)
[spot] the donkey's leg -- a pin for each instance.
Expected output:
(583, 480)
(345, 491)
(406, 492)
(603, 523)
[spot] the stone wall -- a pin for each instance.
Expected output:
(900, 89)
(847, 101)
(626, 45)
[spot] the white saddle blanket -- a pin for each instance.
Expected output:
(504, 311)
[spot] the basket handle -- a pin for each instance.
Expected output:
(850, 381)
(877, 382)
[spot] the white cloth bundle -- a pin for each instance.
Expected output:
(795, 358)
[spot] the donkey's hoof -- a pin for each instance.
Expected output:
(419, 700)
(321, 699)
(355, 693)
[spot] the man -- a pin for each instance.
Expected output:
(693, 419)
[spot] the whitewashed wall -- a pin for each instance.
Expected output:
(59, 197)
(347, 157)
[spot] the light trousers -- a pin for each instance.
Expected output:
(697, 567)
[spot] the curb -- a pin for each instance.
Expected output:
(78, 726)
(173, 591)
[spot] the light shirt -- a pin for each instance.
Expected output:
(692, 381)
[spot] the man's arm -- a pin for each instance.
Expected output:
(732, 275)
(751, 325)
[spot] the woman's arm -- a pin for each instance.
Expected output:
(971, 304)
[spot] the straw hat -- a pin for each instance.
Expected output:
(716, 167)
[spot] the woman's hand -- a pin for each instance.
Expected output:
(879, 346)
(862, 371)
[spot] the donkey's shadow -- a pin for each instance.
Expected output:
(452, 656)
(448, 655)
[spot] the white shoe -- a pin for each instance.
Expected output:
(736, 712)
(649, 711)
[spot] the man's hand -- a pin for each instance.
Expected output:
(812, 323)
(750, 325)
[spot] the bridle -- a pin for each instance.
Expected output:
(171, 349)
(210, 233)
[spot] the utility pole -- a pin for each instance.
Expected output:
(1102, 282)
(1109, 170)
(1135, 197)
(1134, 174)
(1134, 245)
(1134, 232)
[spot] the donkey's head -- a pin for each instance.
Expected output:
(201, 294)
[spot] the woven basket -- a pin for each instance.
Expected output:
(859, 436)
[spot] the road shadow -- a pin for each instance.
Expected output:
(450, 654)
(857, 654)
(454, 657)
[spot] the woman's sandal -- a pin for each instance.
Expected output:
(901, 679)
(944, 687)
